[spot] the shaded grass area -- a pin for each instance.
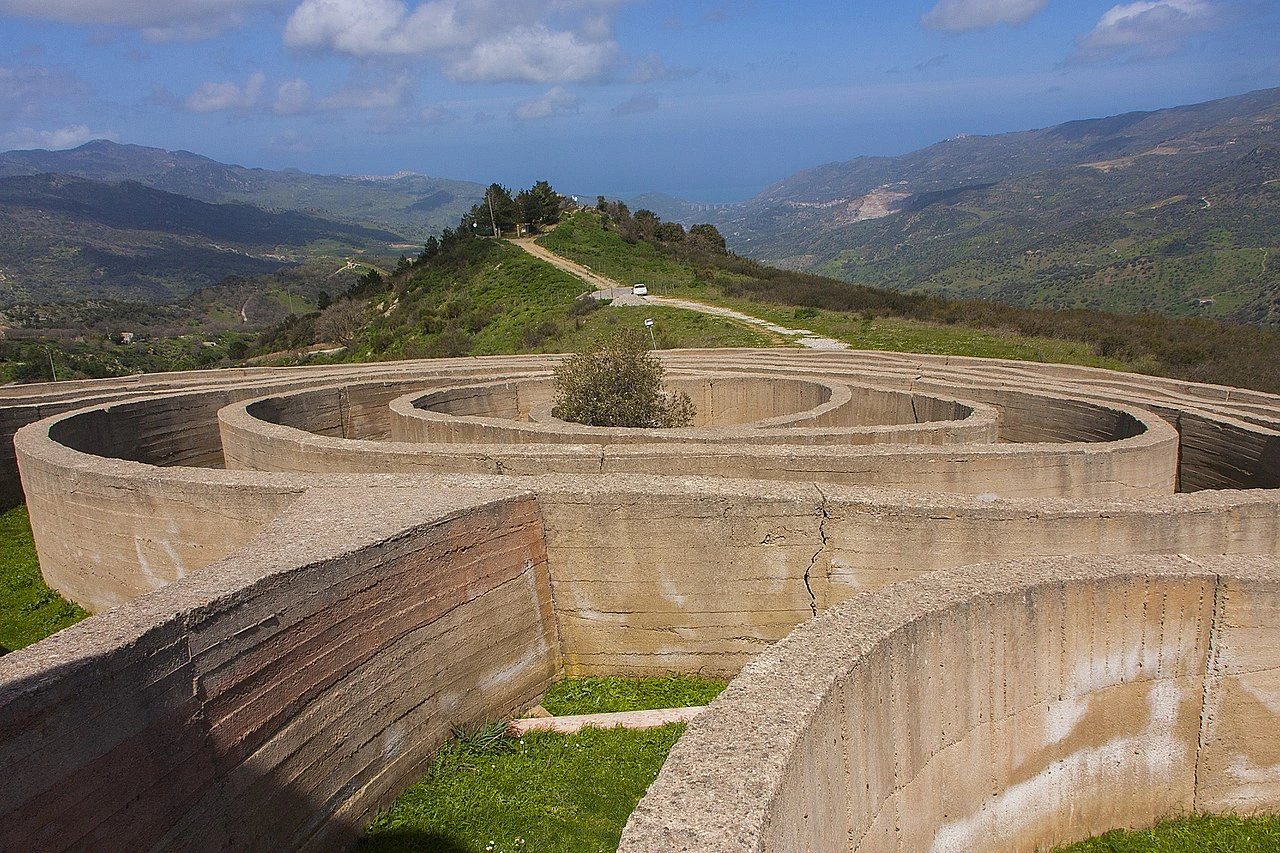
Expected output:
(543, 792)
(489, 793)
(29, 610)
(1192, 834)
(612, 693)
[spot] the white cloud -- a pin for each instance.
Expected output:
(71, 136)
(217, 97)
(1147, 28)
(293, 97)
(556, 102)
(373, 27)
(963, 15)
(535, 55)
(159, 20)
(432, 115)
(475, 41)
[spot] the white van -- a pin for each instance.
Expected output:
(639, 290)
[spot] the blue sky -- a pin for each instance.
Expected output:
(708, 101)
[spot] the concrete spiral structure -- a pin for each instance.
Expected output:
(305, 577)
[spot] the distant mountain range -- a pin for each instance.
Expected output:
(409, 204)
(65, 238)
(1176, 210)
(133, 223)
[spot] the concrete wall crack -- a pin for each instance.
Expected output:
(823, 515)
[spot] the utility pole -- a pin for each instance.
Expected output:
(489, 195)
(52, 371)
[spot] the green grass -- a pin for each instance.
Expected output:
(29, 610)
(489, 298)
(673, 328)
(1194, 834)
(1186, 348)
(896, 334)
(487, 793)
(611, 693)
(544, 792)
(582, 239)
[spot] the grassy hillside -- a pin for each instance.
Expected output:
(1189, 348)
(477, 296)
(480, 296)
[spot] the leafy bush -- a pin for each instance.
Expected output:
(616, 382)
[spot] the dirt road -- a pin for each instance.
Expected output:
(621, 295)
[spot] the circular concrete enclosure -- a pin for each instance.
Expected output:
(760, 409)
(303, 578)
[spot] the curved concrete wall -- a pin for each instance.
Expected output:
(730, 409)
(1004, 708)
(333, 567)
(277, 700)
(143, 526)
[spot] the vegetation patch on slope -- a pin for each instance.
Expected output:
(610, 242)
(607, 694)
(468, 295)
(550, 793)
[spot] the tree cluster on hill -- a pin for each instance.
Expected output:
(645, 225)
(502, 213)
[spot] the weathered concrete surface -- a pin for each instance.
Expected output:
(569, 724)
(731, 409)
(1009, 707)
(268, 627)
(274, 701)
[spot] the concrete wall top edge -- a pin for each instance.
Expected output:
(33, 440)
(1158, 431)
